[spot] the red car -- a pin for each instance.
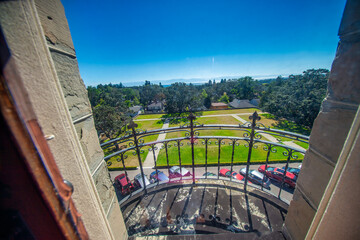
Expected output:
(277, 174)
(124, 184)
(227, 173)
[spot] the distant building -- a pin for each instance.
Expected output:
(155, 107)
(236, 103)
(135, 110)
(255, 102)
(219, 105)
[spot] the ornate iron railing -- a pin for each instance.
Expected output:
(252, 134)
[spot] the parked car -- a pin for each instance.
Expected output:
(209, 174)
(294, 171)
(138, 181)
(160, 176)
(256, 177)
(230, 174)
(124, 184)
(176, 172)
(277, 174)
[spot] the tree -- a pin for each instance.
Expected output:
(244, 88)
(110, 121)
(224, 98)
(181, 97)
(297, 98)
(207, 102)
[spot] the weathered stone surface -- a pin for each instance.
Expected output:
(344, 203)
(75, 92)
(344, 81)
(116, 220)
(314, 177)
(55, 25)
(89, 142)
(104, 186)
(299, 217)
(330, 130)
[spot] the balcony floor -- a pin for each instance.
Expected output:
(182, 210)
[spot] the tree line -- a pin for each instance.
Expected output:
(296, 98)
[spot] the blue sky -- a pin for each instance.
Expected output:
(131, 41)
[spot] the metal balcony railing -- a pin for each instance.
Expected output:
(252, 132)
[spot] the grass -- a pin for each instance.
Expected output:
(132, 160)
(149, 116)
(240, 155)
(232, 111)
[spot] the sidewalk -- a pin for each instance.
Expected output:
(149, 160)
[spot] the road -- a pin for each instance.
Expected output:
(286, 194)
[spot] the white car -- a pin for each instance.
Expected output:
(175, 172)
(139, 182)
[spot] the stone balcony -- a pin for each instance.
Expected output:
(204, 210)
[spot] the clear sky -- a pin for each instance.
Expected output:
(131, 41)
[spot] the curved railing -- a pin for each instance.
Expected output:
(251, 136)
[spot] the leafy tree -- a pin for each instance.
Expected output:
(207, 102)
(110, 121)
(297, 98)
(224, 98)
(244, 88)
(181, 97)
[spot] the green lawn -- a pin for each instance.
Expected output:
(149, 116)
(232, 111)
(204, 113)
(240, 154)
(132, 160)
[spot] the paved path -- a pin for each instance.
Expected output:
(292, 144)
(267, 136)
(149, 160)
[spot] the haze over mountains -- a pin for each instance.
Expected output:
(197, 81)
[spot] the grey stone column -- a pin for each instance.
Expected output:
(331, 127)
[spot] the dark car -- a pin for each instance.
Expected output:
(256, 178)
(138, 182)
(209, 174)
(294, 171)
(158, 176)
(230, 174)
(176, 172)
(123, 182)
(277, 174)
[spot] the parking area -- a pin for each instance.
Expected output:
(286, 193)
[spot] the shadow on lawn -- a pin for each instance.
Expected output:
(177, 118)
(286, 125)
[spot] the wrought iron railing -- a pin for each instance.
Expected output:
(251, 135)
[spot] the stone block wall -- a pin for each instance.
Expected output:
(331, 127)
(58, 38)
(39, 40)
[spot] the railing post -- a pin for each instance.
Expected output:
(192, 141)
(179, 145)
(167, 157)
(255, 117)
(266, 164)
(219, 152)
(286, 167)
(133, 125)
(206, 152)
(153, 148)
(123, 163)
(232, 156)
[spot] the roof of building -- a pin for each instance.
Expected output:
(156, 104)
(135, 108)
(220, 104)
(236, 103)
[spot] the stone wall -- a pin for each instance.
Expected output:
(331, 127)
(40, 42)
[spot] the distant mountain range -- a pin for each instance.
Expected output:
(197, 81)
